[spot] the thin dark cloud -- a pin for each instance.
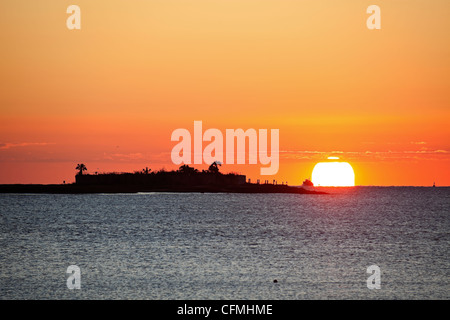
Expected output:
(9, 145)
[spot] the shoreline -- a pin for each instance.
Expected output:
(92, 189)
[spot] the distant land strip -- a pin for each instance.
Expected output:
(78, 189)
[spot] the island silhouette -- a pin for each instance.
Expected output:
(185, 179)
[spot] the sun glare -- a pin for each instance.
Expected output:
(333, 174)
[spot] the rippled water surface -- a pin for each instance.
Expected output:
(227, 246)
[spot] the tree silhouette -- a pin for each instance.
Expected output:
(186, 169)
(81, 167)
(214, 167)
(146, 170)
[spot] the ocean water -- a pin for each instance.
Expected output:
(227, 246)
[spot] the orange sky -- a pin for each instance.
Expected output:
(110, 95)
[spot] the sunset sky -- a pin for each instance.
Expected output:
(110, 95)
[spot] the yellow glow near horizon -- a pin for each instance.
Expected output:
(333, 174)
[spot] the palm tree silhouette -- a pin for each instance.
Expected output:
(81, 167)
(146, 170)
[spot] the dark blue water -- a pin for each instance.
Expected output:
(227, 246)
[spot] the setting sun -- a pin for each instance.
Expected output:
(333, 174)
